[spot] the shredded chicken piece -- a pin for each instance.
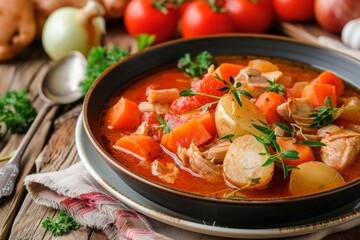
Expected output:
(166, 172)
(342, 148)
(252, 81)
(182, 155)
(205, 168)
(163, 96)
(143, 129)
(217, 152)
(297, 110)
(154, 107)
(328, 130)
(272, 76)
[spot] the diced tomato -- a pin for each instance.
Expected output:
(209, 85)
(185, 104)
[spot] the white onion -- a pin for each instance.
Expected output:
(69, 28)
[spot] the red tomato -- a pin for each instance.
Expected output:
(141, 16)
(199, 19)
(294, 10)
(334, 14)
(251, 16)
(186, 104)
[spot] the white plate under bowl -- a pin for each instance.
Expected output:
(109, 179)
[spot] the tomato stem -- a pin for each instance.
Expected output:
(215, 7)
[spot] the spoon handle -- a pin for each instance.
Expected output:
(10, 171)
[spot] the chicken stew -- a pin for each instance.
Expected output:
(248, 127)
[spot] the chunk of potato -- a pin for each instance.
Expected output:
(243, 164)
(313, 177)
(230, 118)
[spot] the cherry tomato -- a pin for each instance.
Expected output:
(141, 16)
(255, 16)
(294, 10)
(200, 19)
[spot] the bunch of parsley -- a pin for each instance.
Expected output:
(61, 224)
(16, 111)
(101, 58)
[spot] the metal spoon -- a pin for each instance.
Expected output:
(59, 86)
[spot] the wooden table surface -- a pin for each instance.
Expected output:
(20, 217)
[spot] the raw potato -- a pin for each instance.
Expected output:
(313, 177)
(230, 118)
(243, 163)
(18, 28)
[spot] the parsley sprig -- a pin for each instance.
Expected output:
(100, 58)
(164, 124)
(268, 140)
(326, 113)
(61, 224)
(197, 67)
(17, 111)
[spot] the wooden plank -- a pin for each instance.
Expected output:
(59, 154)
(26, 73)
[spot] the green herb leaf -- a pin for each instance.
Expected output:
(275, 87)
(98, 60)
(164, 124)
(284, 127)
(61, 224)
(229, 137)
(312, 143)
(17, 111)
(197, 67)
(144, 41)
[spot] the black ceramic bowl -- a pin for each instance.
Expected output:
(225, 212)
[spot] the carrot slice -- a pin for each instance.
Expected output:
(268, 103)
(124, 115)
(328, 77)
(226, 70)
(183, 135)
(318, 92)
(140, 146)
(306, 153)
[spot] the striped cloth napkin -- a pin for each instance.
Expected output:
(76, 191)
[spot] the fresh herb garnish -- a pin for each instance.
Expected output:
(252, 182)
(294, 131)
(164, 124)
(275, 87)
(17, 111)
(98, 60)
(101, 58)
(60, 225)
(144, 41)
(234, 88)
(197, 67)
(326, 114)
(269, 142)
(229, 137)
(188, 92)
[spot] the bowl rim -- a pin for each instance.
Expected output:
(247, 201)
